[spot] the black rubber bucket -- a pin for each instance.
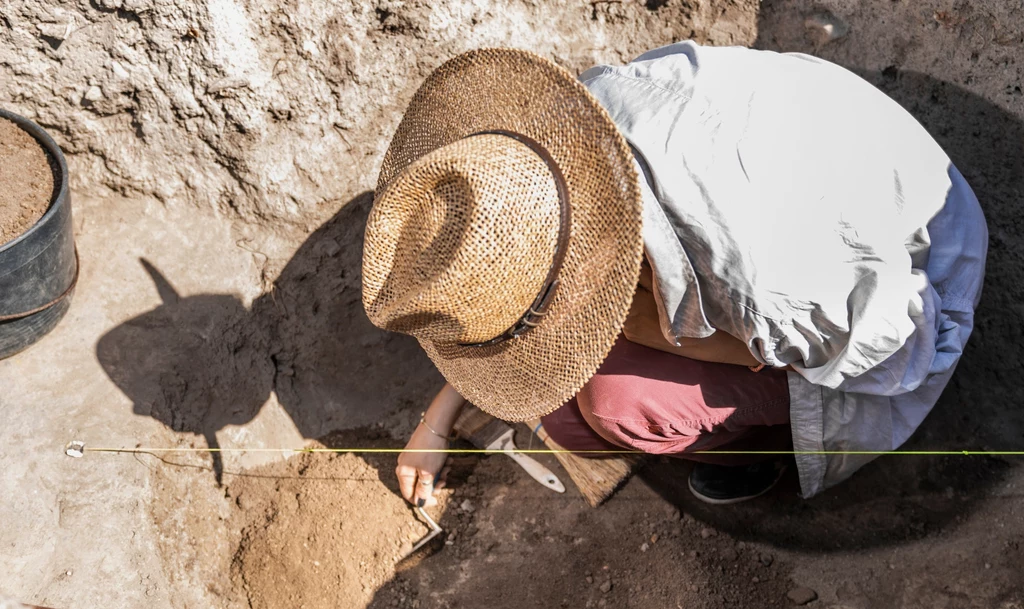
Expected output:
(39, 268)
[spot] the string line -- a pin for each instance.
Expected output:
(548, 451)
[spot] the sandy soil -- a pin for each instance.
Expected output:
(27, 180)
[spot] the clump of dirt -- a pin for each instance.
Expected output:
(27, 177)
(320, 530)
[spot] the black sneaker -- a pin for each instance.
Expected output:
(720, 485)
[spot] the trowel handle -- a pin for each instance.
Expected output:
(537, 471)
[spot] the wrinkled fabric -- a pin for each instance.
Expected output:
(663, 404)
(794, 206)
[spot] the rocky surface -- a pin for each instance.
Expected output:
(281, 110)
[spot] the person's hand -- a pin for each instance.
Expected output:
(420, 474)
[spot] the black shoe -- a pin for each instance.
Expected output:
(719, 485)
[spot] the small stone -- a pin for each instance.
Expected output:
(654, 538)
(802, 595)
(755, 579)
(988, 565)
(767, 559)
(740, 545)
(590, 579)
(119, 70)
(824, 27)
(467, 506)
(730, 554)
(244, 501)
(57, 31)
(602, 603)
(644, 547)
(672, 513)
(94, 94)
(228, 83)
(606, 587)
(706, 533)
(694, 554)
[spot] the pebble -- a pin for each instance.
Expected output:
(706, 532)
(602, 603)
(57, 31)
(767, 560)
(244, 502)
(654, 538)
(755, 579)
(824, 27)
(94, 94)
(590, 579)
(730, 554)
(606, 587)
(467, 506)
(802, 595)
(644, 547)
(672, 513)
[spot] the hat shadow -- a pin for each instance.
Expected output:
(203, 362)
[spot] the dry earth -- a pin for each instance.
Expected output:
(266, 121)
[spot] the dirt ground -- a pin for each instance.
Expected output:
(27, 177)
(238, 330)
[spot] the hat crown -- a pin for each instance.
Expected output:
(459, 244)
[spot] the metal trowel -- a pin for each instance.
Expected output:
(430, 544)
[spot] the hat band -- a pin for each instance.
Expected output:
(535, 314)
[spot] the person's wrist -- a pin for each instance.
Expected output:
(436, 429)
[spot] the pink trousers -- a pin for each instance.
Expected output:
(666, 404)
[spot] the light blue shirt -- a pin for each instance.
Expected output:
(794, 206)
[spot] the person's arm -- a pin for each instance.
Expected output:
(418, 472)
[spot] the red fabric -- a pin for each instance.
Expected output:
(666, 404)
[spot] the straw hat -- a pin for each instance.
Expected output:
(505, 231)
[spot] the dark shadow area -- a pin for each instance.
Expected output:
(898, 499)
(200, 363)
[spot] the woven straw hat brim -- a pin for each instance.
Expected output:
(513, 90)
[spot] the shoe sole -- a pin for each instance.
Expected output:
(731, 500)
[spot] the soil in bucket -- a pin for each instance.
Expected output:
(26, 173)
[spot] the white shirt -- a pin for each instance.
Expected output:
(794, 206)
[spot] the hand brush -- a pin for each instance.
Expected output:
(484, 431)
(597, 477)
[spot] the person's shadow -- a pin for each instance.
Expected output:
(201, 363)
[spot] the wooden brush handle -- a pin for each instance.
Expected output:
(471, 421)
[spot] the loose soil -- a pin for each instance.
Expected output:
(27, 175)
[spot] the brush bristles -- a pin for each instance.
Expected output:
(597, 478)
